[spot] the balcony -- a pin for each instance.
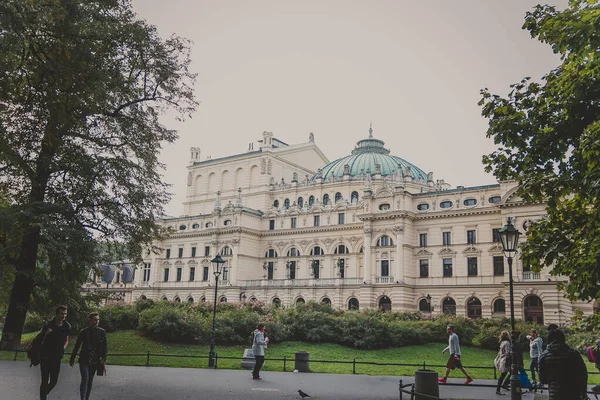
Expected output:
(384, 279)
(182, 284)
(352, 281)
(531, 276)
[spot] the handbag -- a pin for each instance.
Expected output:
(524, 378)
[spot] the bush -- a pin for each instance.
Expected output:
(119, 316)
(171, 323)
(33, 322)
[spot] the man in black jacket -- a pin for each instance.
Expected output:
(55, 340)
(563, 369)
(92, 359)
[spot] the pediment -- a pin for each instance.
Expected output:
(495, 249)
(423, 253)
(446, 251)
(471, 250)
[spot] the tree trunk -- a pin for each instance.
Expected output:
(21, 291)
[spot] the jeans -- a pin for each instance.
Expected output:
(87, 378)
(260, 360)
(503, 381)
(533, 366)
(50, 369)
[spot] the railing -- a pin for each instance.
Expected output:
(300, 282)
(529, 275)
(325, 282)
(181, 284)
(251, 283)
(276, 282)
(352, 281)
(384, 279)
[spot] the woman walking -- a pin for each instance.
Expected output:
(502, 361)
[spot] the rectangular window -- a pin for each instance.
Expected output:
(205, 274)
(271, 224)
(118, 280)
(446, 238)
(317, 220)
(225, 273)
(447, 267)
(293, 223)
(270, 270)
(192, 273)
(147, 267)
(498, 266)
(341, 218)
(424, 268)
(423, 240)
(472, 266)
(206, 251)
(166, 276)
(180, 253)
(193, 252)
(179, 270)
(168, 255)
(385, 267)
(292, 269)
(496, 235)
(471, 237)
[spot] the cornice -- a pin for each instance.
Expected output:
(458, 213)
(312, 229)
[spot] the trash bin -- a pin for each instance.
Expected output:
(301, 359)
(426, 382)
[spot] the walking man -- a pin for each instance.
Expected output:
(92, 359)
(259, 344)
(454, 360)
(56, 338)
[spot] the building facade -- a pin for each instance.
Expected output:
(366, 230)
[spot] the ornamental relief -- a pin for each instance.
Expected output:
(471, 250)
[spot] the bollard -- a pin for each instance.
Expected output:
(400, 388)
(426, 383)
(216, 360)
(148, 358)
(284, 359)
(354, 367)
(16, 355)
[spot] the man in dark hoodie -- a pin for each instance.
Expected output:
(563, 369)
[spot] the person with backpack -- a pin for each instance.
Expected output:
(55, 338)
(259, 344)
(563, 369)
(92, 359)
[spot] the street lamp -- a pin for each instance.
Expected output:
(509, 235)
(217, 265)
(428, 299)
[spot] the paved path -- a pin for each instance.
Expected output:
(18, 381)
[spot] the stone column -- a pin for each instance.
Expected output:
(367, 267)
(399, 260)
(235, 263)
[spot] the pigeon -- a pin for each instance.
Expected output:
(302, 394)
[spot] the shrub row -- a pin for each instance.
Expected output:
(365, 329)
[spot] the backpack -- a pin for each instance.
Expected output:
(592, 354)
(33, 350)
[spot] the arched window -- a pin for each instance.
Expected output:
(163, 298)
(276, 302)
(177, 299)
(271, 253)
(341, 249)
(286, 203)
(500, 306)
(473, 308)
(325, 199)
(276, 204)
(354, 197)
(449, 306)
(142, 297)
(300, 202)
(300, 300)
(446, 204)
(534, 309)
(208, 225)
(293, 252)
(223, 299)
(385, 240)
(470, 202)
(494, 199)
(385, 303)
(190, 300)
(326, 301)
(311, 200)
(226, 251)
(196, 226)
(316, 251)
(353, 304)
(227, 222)
(424, 306)
(202, 299)
(338, 197)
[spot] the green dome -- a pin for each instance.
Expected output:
(365, 156)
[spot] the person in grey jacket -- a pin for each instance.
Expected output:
(259, 344)
(535, 352)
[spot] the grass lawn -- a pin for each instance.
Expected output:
(128, 342)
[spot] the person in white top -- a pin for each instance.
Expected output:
(454, 360)
(535, 352)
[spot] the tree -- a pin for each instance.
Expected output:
(82, 87)
(549, 137)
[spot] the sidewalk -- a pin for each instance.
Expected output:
(18, 381)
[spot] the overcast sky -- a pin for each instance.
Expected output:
(413, 68)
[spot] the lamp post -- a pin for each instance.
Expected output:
(428, 299)
(509, 235)
(217, 265)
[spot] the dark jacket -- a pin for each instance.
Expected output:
(563, 369)
(94, 346)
